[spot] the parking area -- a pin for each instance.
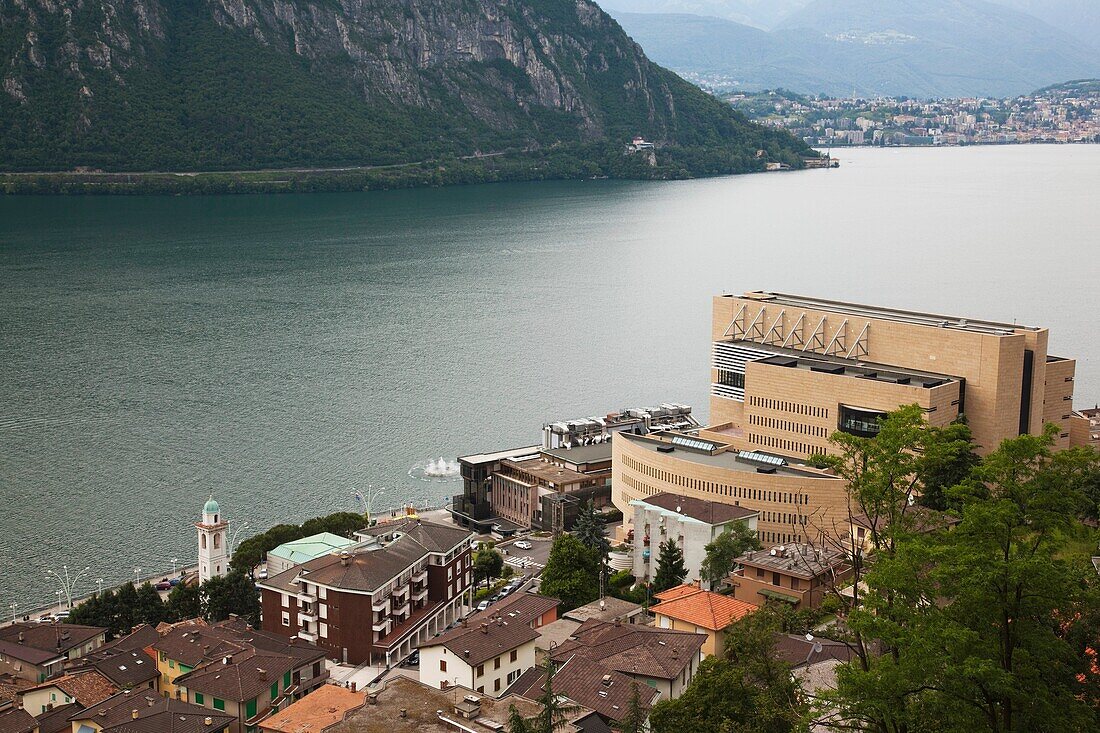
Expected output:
(530, 560)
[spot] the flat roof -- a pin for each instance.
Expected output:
(728, 460)
(804, 561)
(548, 472)
(582, 453)
(827, 364)
(531, 450)
(933, 320)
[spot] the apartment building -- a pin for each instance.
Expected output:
(690, 522)
(234, 670)
(688, 607)
(376, 601)
(546, 491)
(486, 656)
(798, 574)
(37, 652)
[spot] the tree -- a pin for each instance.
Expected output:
(488, 563)
(345, 524)
(724, 550)
(148, 607)
(123, 609)
(184, 602)
(635, 717)
(516, 722)
(946, 459)
(229, 594)
(592, 532)
(749, 690)
(571, 574)
(670, 567)
(983, 627)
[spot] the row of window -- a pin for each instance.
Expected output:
(791, 427)
(778, 537)
(783, 444)
(796, 408)
(711, 487)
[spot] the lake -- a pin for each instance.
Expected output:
(280, 352)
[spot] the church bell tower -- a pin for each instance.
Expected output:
(213, 538)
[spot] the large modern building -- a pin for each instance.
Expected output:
(377, 601)
(788, 371)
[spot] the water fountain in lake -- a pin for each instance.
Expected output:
(435, 469)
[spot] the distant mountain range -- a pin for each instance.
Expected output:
(919, 48)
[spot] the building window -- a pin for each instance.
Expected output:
(496, 685)
(480, 669)
(514, 656)
(219, 704)
(199, 699)
(250, 709)
(513, 676)
(286, 619)
(496, 663)
(442, 665)
(274, 690)
(861, 422)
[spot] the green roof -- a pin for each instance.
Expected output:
(314, 546)
(211, 506)
(769, 593)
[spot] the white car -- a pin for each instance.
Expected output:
(483, 605)
(522, 544)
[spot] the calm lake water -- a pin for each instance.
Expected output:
(279, 351)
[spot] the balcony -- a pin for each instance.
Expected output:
(420, 577)
(308, 636)
(383, 625)
(400, 591)
(307, 614)
(401, 610)
(306, 597)
(307, 683)
(420, 595)
(381, 605)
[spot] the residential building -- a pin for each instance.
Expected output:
(296, 552)
(486, 655)
(690, 608)
(377, 601)
(527, 608)
(538, 493)
(402, 705)
(213, 542)
(84, 688)
(315, 712)
(129, 661)
(237, 671)
(788, 371)
(663, 659)
(592, 685)
(17, 720)
(134, 711)
(37, 652)
(690, 522)
(799, 574)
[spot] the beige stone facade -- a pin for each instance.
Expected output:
(999, 375)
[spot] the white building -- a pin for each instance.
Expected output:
(487, 657)
(213, 541)
(691, 523)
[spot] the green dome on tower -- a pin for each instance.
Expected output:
(211, 506)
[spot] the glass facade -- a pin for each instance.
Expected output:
(858, 421)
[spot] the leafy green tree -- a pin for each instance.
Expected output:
(554, 711)
(488, 563)
(982, 626)
(724, 550)
(148, 607)
(184, 602)
(516, 722)
(251, 552)
(946, 459)
(671, 570)
(234, 593)
(344, 524)
(124, 609)
(748, 690)
(571, 574)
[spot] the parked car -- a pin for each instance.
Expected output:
(483, 605)
(163, 585)
(175, 581)
(522, 545)
(262, 575)
(61, 616)
(413, 659)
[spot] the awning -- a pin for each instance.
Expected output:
(776, 595)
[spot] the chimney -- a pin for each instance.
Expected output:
(134, 714)
(208, 720)
(21, 637)
(485, 628)
(466, 653)
(149, 701)
(225, 660)
(372, 698)
(403, 713)
(466, 623)
(345, 558)
(606, 681)
(618, 621)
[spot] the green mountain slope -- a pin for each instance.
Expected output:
(140, 85)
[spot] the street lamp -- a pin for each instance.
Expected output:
(233, 537)
(174, 561)
(99, 586)
(137, 575)
(13, 606)
(59, 601)
(68, 584)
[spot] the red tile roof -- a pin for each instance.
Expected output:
(316, 711)
(703, 608)
(87, 687)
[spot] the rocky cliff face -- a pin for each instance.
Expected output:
(457, 75)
